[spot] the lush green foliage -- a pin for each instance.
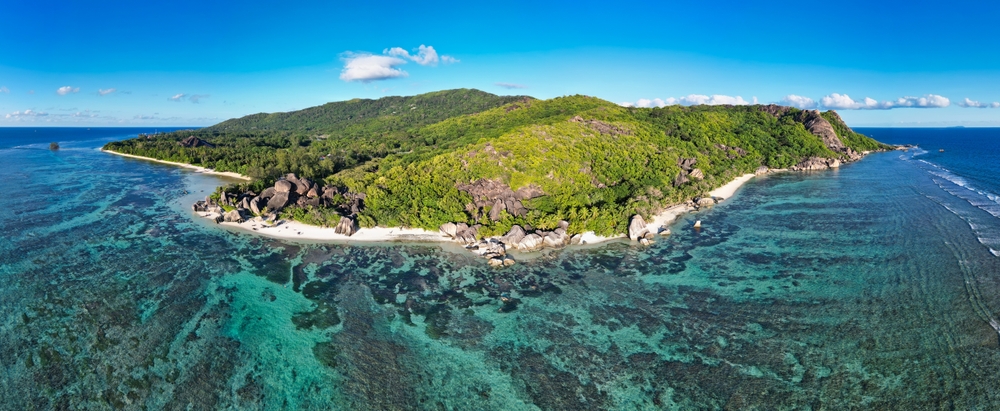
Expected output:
(318, 141)
(596, 162)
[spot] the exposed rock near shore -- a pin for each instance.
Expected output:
(347, 226)
(816, 163)
(637, 228)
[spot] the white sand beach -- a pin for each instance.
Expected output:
(299, 231)
(666, 217)
(197, 169)
(730, 188)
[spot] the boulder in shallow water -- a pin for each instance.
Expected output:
(704, 201)
(495, 262)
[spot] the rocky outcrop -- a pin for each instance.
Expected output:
(347, 226)
(761, 170)
(268, 193)
(637, 228)
(681, 179)
(193, 141)
(284, 186)
(279, 201)
(775, 110)
(466, 234)
(732, 153)
(450, 229)
(818, 126)
(256, 205)
(704, 201)
(514, 236)
(601, 127)
(686, 163)
(530, 242)
(697, 174)
(238, 215)
(498, 197)
(816, 163)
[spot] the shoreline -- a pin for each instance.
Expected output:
(294, 230)
(197, 169)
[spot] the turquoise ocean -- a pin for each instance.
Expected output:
(874, 286)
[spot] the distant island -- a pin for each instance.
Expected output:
(477, 165)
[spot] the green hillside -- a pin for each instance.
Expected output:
(588, 161)
(345, 134)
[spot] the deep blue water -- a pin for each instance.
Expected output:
(875, 286)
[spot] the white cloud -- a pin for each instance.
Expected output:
(691, 100)
(426, 55)
(927, 101)
(793, 100)
(367, 68)
(105, 92)
(510, 85)
(845, 102)
(967, 103)
(4, 90)
(85, 114)
(177, 97)
(26, 113)
(62, 91)
(713, 100)
(194, 98)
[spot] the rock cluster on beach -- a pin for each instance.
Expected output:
(517, 239)
(290, 190)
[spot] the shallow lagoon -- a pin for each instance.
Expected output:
(861, 287)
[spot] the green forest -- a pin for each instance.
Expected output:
(595, 163)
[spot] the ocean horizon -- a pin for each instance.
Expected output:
(873, 285)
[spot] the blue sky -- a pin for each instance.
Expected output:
(187, 63)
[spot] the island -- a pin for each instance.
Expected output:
(495, 172)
